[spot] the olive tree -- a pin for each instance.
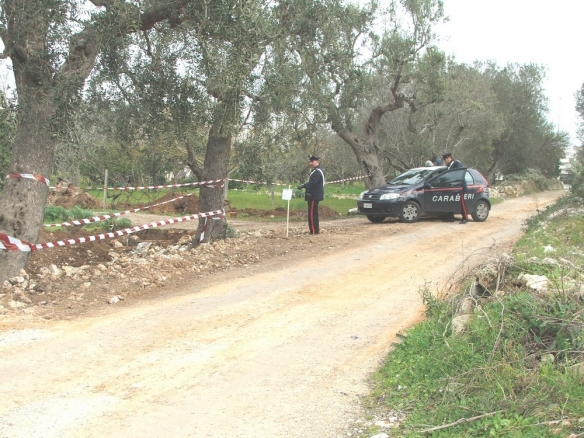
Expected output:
(527, 139)
(348, 58)
(463, 120)
(53, 46)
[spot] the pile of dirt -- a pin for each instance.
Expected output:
(324, 213)
(96, 252)
(68, 196)
(70, 280)
(183, 204)
(67, 281)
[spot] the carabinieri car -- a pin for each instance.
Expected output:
(427, 191)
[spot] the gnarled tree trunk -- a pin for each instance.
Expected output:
(216, 161)
(45, 84)
(23, 200)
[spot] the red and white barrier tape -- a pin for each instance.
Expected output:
(278, 184)
(202, 236)
(39, 178)
(12, 244)
(346, 179)
(215, 183)
(257, 182)
(210, 183)
(9, 241)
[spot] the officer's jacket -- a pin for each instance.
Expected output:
(315, 185)
(455, 164)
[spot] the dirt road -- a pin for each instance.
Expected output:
(281, 350)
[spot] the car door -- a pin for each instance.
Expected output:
(476, 184)
(442, 193)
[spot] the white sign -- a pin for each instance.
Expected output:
(287, 194)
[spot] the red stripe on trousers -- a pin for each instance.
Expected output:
(464, 213)
(311, 220)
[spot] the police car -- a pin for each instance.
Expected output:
(427, 191)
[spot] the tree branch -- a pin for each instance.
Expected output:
(84, 46)
(460, 421)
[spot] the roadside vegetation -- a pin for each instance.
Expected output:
(516, 366)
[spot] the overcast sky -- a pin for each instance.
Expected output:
(545, 32)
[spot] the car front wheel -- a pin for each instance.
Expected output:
(410, 212)
(376, 219)
(481, 212)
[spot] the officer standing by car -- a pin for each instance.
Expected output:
(455, 164)
(450, 162)
(314, 193)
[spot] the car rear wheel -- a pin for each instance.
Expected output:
(376, 219)
(481, 212)
(410, 212)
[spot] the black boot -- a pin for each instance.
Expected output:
(463, 221)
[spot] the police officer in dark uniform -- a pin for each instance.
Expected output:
(455, 164)
(314, 192)
(451, 163)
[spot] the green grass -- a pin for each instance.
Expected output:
(498, 366)
(494, 200)
(261, 200)
(59, 214)
(338, 198)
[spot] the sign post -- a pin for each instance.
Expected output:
(287, 196)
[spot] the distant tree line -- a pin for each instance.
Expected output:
(491, 118)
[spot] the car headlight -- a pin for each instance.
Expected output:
(387, 196)
(361, 195)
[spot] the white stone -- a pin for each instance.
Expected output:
(143, 246)
(459, 323)
(55, 272)
(114, 299)
(184, 240)
(17, 280)
(466, 306)
(547, 358)
(535, 282)
(70, 271)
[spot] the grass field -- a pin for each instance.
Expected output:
(339, 199)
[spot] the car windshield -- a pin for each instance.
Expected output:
(412, 176)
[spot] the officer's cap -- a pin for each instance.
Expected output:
(446, 155)
(313, 158)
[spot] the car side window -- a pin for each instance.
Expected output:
(469, 179)
(448, 179)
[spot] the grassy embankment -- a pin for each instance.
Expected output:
(518, 368)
